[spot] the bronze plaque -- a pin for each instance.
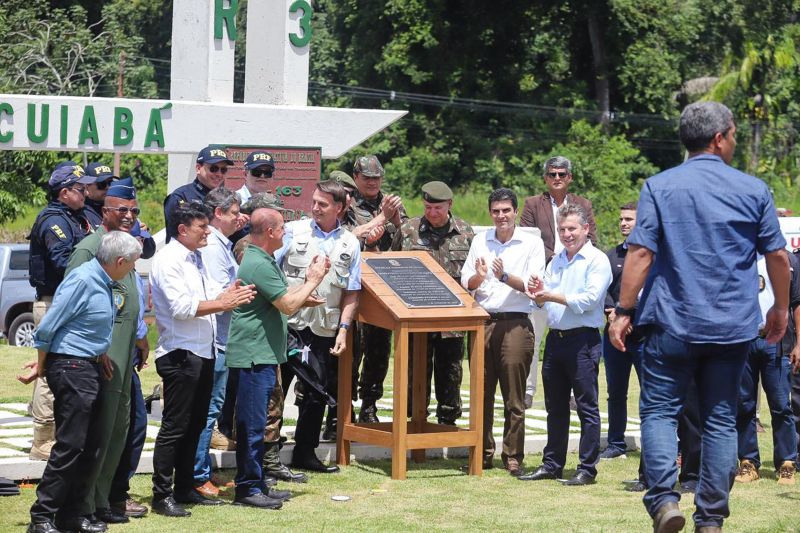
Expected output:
(414, 283)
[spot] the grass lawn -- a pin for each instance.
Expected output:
(437, 496)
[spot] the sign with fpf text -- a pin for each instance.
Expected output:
(297, 170)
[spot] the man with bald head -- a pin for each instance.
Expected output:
(257, 345)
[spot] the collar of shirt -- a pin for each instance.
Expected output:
(582, 253)
(515, 237)
(325, 235)
(102, 272)
(370, 205)
(200, 187)
(425, 225)
(704, 157)
(226, 242)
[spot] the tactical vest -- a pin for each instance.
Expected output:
(323, 319)
(42, 275)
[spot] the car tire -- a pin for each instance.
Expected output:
(21, 331)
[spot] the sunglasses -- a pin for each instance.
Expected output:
(557, 174)
(124, 210)
(79, 190)
(103, 185)
(216, 168)
(258, 173)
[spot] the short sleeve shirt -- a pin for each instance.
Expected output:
(258, 330)
(704, 221)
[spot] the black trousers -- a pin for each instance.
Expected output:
(187, 393)
(311, 408)
(571, 364)
(75, 383)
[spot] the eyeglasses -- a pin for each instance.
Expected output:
(124, 210)
(216, 168)
(79, 190)
(258, 173)
(557, 174)
(103, 185)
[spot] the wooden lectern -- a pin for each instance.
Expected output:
(379, 305)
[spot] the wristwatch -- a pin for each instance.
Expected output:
(345, 326)
(624, 311)
(504, 277)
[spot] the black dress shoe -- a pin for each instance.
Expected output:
(688, 487)
(42, 527)
(329, 433)
(636, 485)
(313, 464)
(260, 500)
(538, 474)
(111, 516)
(368, 413)
(580, 478)
(81, 524)
(275, 494)
(487, 465)
(195, 498)
(285, 474)
(169, 507)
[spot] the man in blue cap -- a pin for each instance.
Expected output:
(58, 228)
(259, 167)
(96, 192)
(120, 211)
(212, 165)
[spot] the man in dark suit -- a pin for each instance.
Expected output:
(539, 210)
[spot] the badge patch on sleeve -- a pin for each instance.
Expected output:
(59, 232)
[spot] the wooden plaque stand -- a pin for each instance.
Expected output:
(379, 306)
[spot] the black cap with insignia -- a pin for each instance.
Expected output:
(436, 191)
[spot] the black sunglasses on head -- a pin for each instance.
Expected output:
(258, 173)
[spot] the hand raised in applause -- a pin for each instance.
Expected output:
(481, 268)
(497, 267)
(237, 294)
(391, 206)
(318, 268)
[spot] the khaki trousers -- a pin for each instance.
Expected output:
(41, 406)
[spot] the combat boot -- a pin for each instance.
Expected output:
(274, 469)
(329, 433)
(747, 472)
(368, 413)
(786, 473)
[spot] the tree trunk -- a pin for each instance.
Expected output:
(600, 69)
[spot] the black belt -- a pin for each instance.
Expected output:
(54, 355)
(507, 316)
(561, 333)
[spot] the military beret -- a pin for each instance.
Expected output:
(262, 199)
(122, 189)
(436, 191)
(342, 178)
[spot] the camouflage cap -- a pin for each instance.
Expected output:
(436, 191)
(368, 165)
(343, 179)
(262, 199)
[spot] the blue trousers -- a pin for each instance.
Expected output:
(571, 364)
(252, 397)
(618, 373)
(775, 371)
(137, 433)
(202, 459)
(668, 366)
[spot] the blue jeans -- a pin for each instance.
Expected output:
(618, 372)
(763, 360)
(252, 398)
(202, 459)
(668, 366)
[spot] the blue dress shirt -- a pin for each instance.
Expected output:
(704, 220)
(82, 315)
(583, 281)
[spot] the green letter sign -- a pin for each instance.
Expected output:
(44, 127)
(305, 23)
(8, 110)
(88, 131)
(226, 16)
(123, 126)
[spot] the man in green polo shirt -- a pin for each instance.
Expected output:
(257, 345)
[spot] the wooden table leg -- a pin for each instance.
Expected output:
(476, 385)
(400, 403)
(344, 407)
(419, 386)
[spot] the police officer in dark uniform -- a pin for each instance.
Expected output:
(212, 165)
(372, 342)
(447, 239)
(96, 192)
(57, 229)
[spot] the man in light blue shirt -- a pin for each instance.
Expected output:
(573, 292)
(72, 340)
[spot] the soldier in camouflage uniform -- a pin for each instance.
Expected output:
(374, 220)
(447, 238)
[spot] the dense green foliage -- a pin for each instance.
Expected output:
(491, 88)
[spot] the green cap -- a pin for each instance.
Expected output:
(262, 199)
(342, 178)
(436, 191)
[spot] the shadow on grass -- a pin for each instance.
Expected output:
(426, 469)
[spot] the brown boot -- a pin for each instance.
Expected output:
(668, 518)
(220, 442)
(786, 473)
(747, 472)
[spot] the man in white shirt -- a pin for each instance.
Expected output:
(259, 167)
(498, 264)
(185, 299)
(573, 291)
(223, 206)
